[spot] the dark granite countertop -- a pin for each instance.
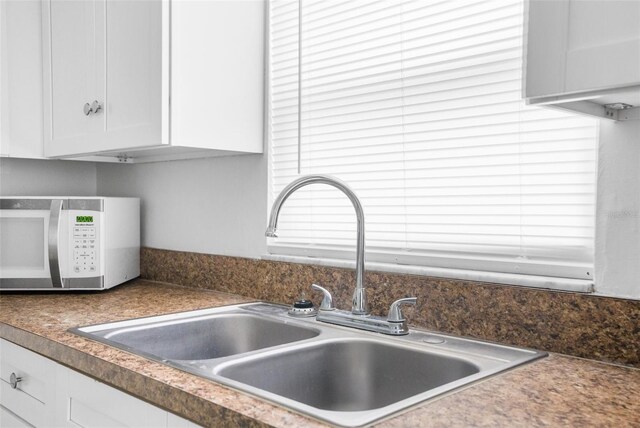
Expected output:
(555, 391)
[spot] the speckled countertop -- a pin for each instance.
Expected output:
(555, 391)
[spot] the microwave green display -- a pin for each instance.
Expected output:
(84, 219)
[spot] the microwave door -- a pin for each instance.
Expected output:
(29, 243)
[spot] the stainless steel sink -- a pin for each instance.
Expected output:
(200, 337)
(347, 376)
(340, 375)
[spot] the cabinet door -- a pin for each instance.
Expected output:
(72, 58)
(21, 79)
(106, 54)
(88, 403)
(132, 93)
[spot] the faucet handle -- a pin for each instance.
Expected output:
(327, 300)
(395, 312)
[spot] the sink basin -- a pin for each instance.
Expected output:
(349, 376)
(202, 337)
(340, 375)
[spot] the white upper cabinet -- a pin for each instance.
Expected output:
(135, 81)
(118, 75)
(20, 79)
(583, 55)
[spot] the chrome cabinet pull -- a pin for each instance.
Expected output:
(94, 108)
(14, 380)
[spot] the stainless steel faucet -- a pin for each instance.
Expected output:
(359, 304)
(395, 323)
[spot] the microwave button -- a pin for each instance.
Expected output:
(76, 268)
(92, 268)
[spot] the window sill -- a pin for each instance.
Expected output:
(547, 282)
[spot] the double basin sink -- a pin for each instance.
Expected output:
(339, 375)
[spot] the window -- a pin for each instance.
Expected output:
(417, 106)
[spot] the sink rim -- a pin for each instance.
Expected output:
(495, 358)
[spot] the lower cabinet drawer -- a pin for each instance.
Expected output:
(27, 384)
(38, 392)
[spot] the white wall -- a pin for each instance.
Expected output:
(31, 177)
(213, 205)
(618, 210)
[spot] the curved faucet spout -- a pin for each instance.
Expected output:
(359, 306)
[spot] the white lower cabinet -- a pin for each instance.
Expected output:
(34, 378)
(48, 394)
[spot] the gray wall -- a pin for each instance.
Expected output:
(213, 205)
(32, 177)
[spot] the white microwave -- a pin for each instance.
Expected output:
(68, 243)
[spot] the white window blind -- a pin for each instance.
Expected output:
(417, 106)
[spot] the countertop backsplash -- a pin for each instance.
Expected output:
(582, 325)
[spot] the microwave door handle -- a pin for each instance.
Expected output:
(54, 232)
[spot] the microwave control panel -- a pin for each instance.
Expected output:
(85, 244)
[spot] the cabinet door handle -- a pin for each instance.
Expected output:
(94, 107)
(14, 380)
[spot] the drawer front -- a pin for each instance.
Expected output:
(34, 391)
